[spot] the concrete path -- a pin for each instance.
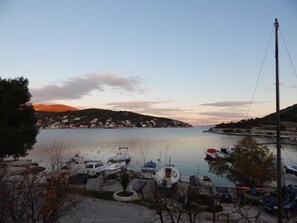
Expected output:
(96, 210)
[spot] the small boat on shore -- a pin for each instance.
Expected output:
(213, 154)
(149, 167)
(291, 168)
(113, 169)
(167, 176)
(76, 159)
(200, 181)
(122, 155)
(227, 151)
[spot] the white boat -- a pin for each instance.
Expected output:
(167, 176)
(227, 150)
(122, 155)
(113, 169)
(291, 168)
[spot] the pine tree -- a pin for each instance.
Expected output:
(18, 129)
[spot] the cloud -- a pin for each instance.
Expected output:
(229, 111)
(228, 104)
(225, 115)
(78, 87)
(147, 107)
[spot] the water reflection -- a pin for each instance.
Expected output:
(184, 146)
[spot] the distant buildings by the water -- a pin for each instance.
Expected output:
(67, 121)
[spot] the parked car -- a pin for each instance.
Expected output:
(93, 169)
(289, 201)
(79, 178)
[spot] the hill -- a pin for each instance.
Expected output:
(100, 118)
(265, 126)
(288, 118)
(53, 108)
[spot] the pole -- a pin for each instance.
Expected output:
(278, 144)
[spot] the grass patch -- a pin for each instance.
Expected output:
(105, 195)
(128, 194)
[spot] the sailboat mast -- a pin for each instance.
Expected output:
(278, 144)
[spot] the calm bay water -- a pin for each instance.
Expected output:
(184, 147)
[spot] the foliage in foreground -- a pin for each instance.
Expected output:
(17, 118)
(37, 197)
(250, 164)
(172, 205)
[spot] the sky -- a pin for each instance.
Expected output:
(202, 62)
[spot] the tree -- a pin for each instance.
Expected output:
(250, 164)
(184, 204)
(17, 118)
(39, 197)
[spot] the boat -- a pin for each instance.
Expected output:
(224, 193)
(291, 168)
(113, 169)
(227, 151)
(122, 155)
(76, 159)
(167, 176)
(149, 167)
(213, 154)
(200, 181)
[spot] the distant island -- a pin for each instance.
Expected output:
(265, 126)
(62, 116)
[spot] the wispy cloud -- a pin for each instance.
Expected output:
(228, 110)
(147, 107)
(227, 104)
(225, 114)
(78, 87)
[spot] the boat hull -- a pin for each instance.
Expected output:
(114, 169)
(167, 177)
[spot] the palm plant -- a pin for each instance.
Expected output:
(125, 177)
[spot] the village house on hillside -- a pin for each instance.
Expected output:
(87, 122)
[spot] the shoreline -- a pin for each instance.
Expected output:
(285, 135)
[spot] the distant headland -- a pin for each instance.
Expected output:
(265, 126)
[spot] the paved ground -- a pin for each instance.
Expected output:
(96, 210)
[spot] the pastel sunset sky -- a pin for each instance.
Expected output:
(198, 61)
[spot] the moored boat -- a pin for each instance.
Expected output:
(113, 169)
(291, 168)
(167, 176)
(213, 154)
(122, 155)
(149, 167)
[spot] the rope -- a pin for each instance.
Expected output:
(287, 154)
(288, 54)
(259, 73)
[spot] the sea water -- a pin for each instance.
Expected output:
(183, 147)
